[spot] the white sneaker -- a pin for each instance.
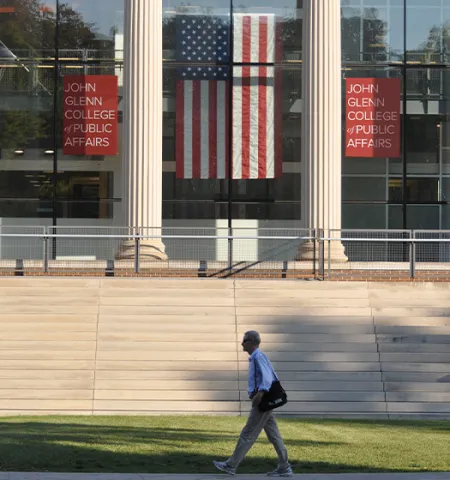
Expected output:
(281, 472)
(224, 467)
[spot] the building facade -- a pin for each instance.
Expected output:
(320, 45)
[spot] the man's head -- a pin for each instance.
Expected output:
(250, 341)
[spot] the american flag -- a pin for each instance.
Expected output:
(202, 97)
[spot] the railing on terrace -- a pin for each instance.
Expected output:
(214, 252)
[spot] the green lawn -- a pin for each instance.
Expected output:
(189, 444)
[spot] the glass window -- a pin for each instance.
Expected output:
(27, 30)
(418, 190)
(372, 32)
(364, 189)
(90, 31)
(424, 30)
(363, 216)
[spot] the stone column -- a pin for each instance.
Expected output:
(142, 125)
(321, 121)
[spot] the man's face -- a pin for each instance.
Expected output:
(247, 345)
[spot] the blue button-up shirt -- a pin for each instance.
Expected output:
(261, 378)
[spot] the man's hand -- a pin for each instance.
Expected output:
(257, 399)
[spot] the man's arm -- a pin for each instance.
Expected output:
(266, 381)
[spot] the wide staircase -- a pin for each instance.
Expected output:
(96, 346)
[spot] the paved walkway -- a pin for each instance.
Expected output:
(117, 476)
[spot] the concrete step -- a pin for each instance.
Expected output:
(49, 293)
(418, 407)
(169, 328)
(415, 357)
(47, 355)
(40, 364)
(166, 319)
(298, 285)
(414, 367)
(65, 336)
(166, 294)
(412, 321)
(423, 378)
(164, 346)
(200, 301)
(408, 302)
(165, 283)
(287, 295)
(56, 393)
(325, 386)
(418, 397)
(162, 356)
(341, 377)
(330, 321)
(134, 336)
(170, 395)
(329, 396)
(193, 311)
(290, 311)
(56, 301)
(414, 348)
(78, 326)
(412, 330)
(44, 309)
(280, 327)
(162, 384)
(179, 365)
(410, 312)
(328, 407)
(320, 366)
(308, 302)
(293, 327)
(39, 384)
(45, 345)
(182, 375)
(413, 339)
(52, 375)
(348, 357)
(417, 387)
(169, 406)
(57, 405)
(47, 318)
(318, 347)
(275, 336)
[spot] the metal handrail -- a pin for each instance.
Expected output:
(153, 237)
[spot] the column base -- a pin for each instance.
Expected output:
(309, 251)
(148, 250)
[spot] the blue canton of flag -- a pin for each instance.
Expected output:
(203, 73)
(203, 39)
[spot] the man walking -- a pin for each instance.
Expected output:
(260, 378)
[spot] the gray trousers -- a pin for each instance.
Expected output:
(258, 420)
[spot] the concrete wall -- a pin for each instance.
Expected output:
(138, 346)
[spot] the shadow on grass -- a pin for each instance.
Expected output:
(71, 447)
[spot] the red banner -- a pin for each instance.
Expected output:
(90, 115)
(373, 117)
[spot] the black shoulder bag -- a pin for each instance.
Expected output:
(276, 397)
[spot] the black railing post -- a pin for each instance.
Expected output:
(412, 255)
(45, 247)
(321, 245)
